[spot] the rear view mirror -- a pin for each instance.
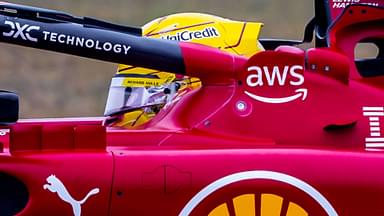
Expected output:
(9, 107)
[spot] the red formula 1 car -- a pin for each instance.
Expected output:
(285, 132)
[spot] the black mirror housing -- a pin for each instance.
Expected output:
(9, 107)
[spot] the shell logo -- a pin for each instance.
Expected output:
(262, 204)
(270, 205)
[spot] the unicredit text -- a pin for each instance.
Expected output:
(190, 35)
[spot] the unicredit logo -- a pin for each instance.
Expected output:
(275, 76)
(210, 32)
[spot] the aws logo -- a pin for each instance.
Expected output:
(275, 83)
(275, 76)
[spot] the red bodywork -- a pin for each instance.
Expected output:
(304, 135)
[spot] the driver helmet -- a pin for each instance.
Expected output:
(136, 94)
(135, 98)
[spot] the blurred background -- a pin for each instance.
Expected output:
(58, 85)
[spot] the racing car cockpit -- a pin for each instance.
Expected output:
(137, 94)
(292, 130)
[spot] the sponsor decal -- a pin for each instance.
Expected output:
(54, 185)
(141, 82)
(209, 32)
(22, 31)
(345, 3)
(259, 175)
(4, 132)
(85, 42)
(279, 76)
(376, 139)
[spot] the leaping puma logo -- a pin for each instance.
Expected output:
(56, 186)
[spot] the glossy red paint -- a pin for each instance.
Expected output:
(219, 142)
(211, 65)
(356, 24)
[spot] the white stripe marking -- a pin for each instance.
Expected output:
(373, 108)
(374, 123)
(374, 149)
(373, 139)
(374, 119)
(375, 129)
(375, 134)
(263, 175)
(373, 113)
(374, 145)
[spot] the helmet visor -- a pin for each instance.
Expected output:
(123, 98)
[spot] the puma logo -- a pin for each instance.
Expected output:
(56, 186)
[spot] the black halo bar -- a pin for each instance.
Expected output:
(86, 37)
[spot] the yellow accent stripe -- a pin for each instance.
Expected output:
(126, 68)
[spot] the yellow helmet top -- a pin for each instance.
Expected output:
(235, 37)
(135, 93)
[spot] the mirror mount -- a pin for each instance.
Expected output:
(9, 107)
